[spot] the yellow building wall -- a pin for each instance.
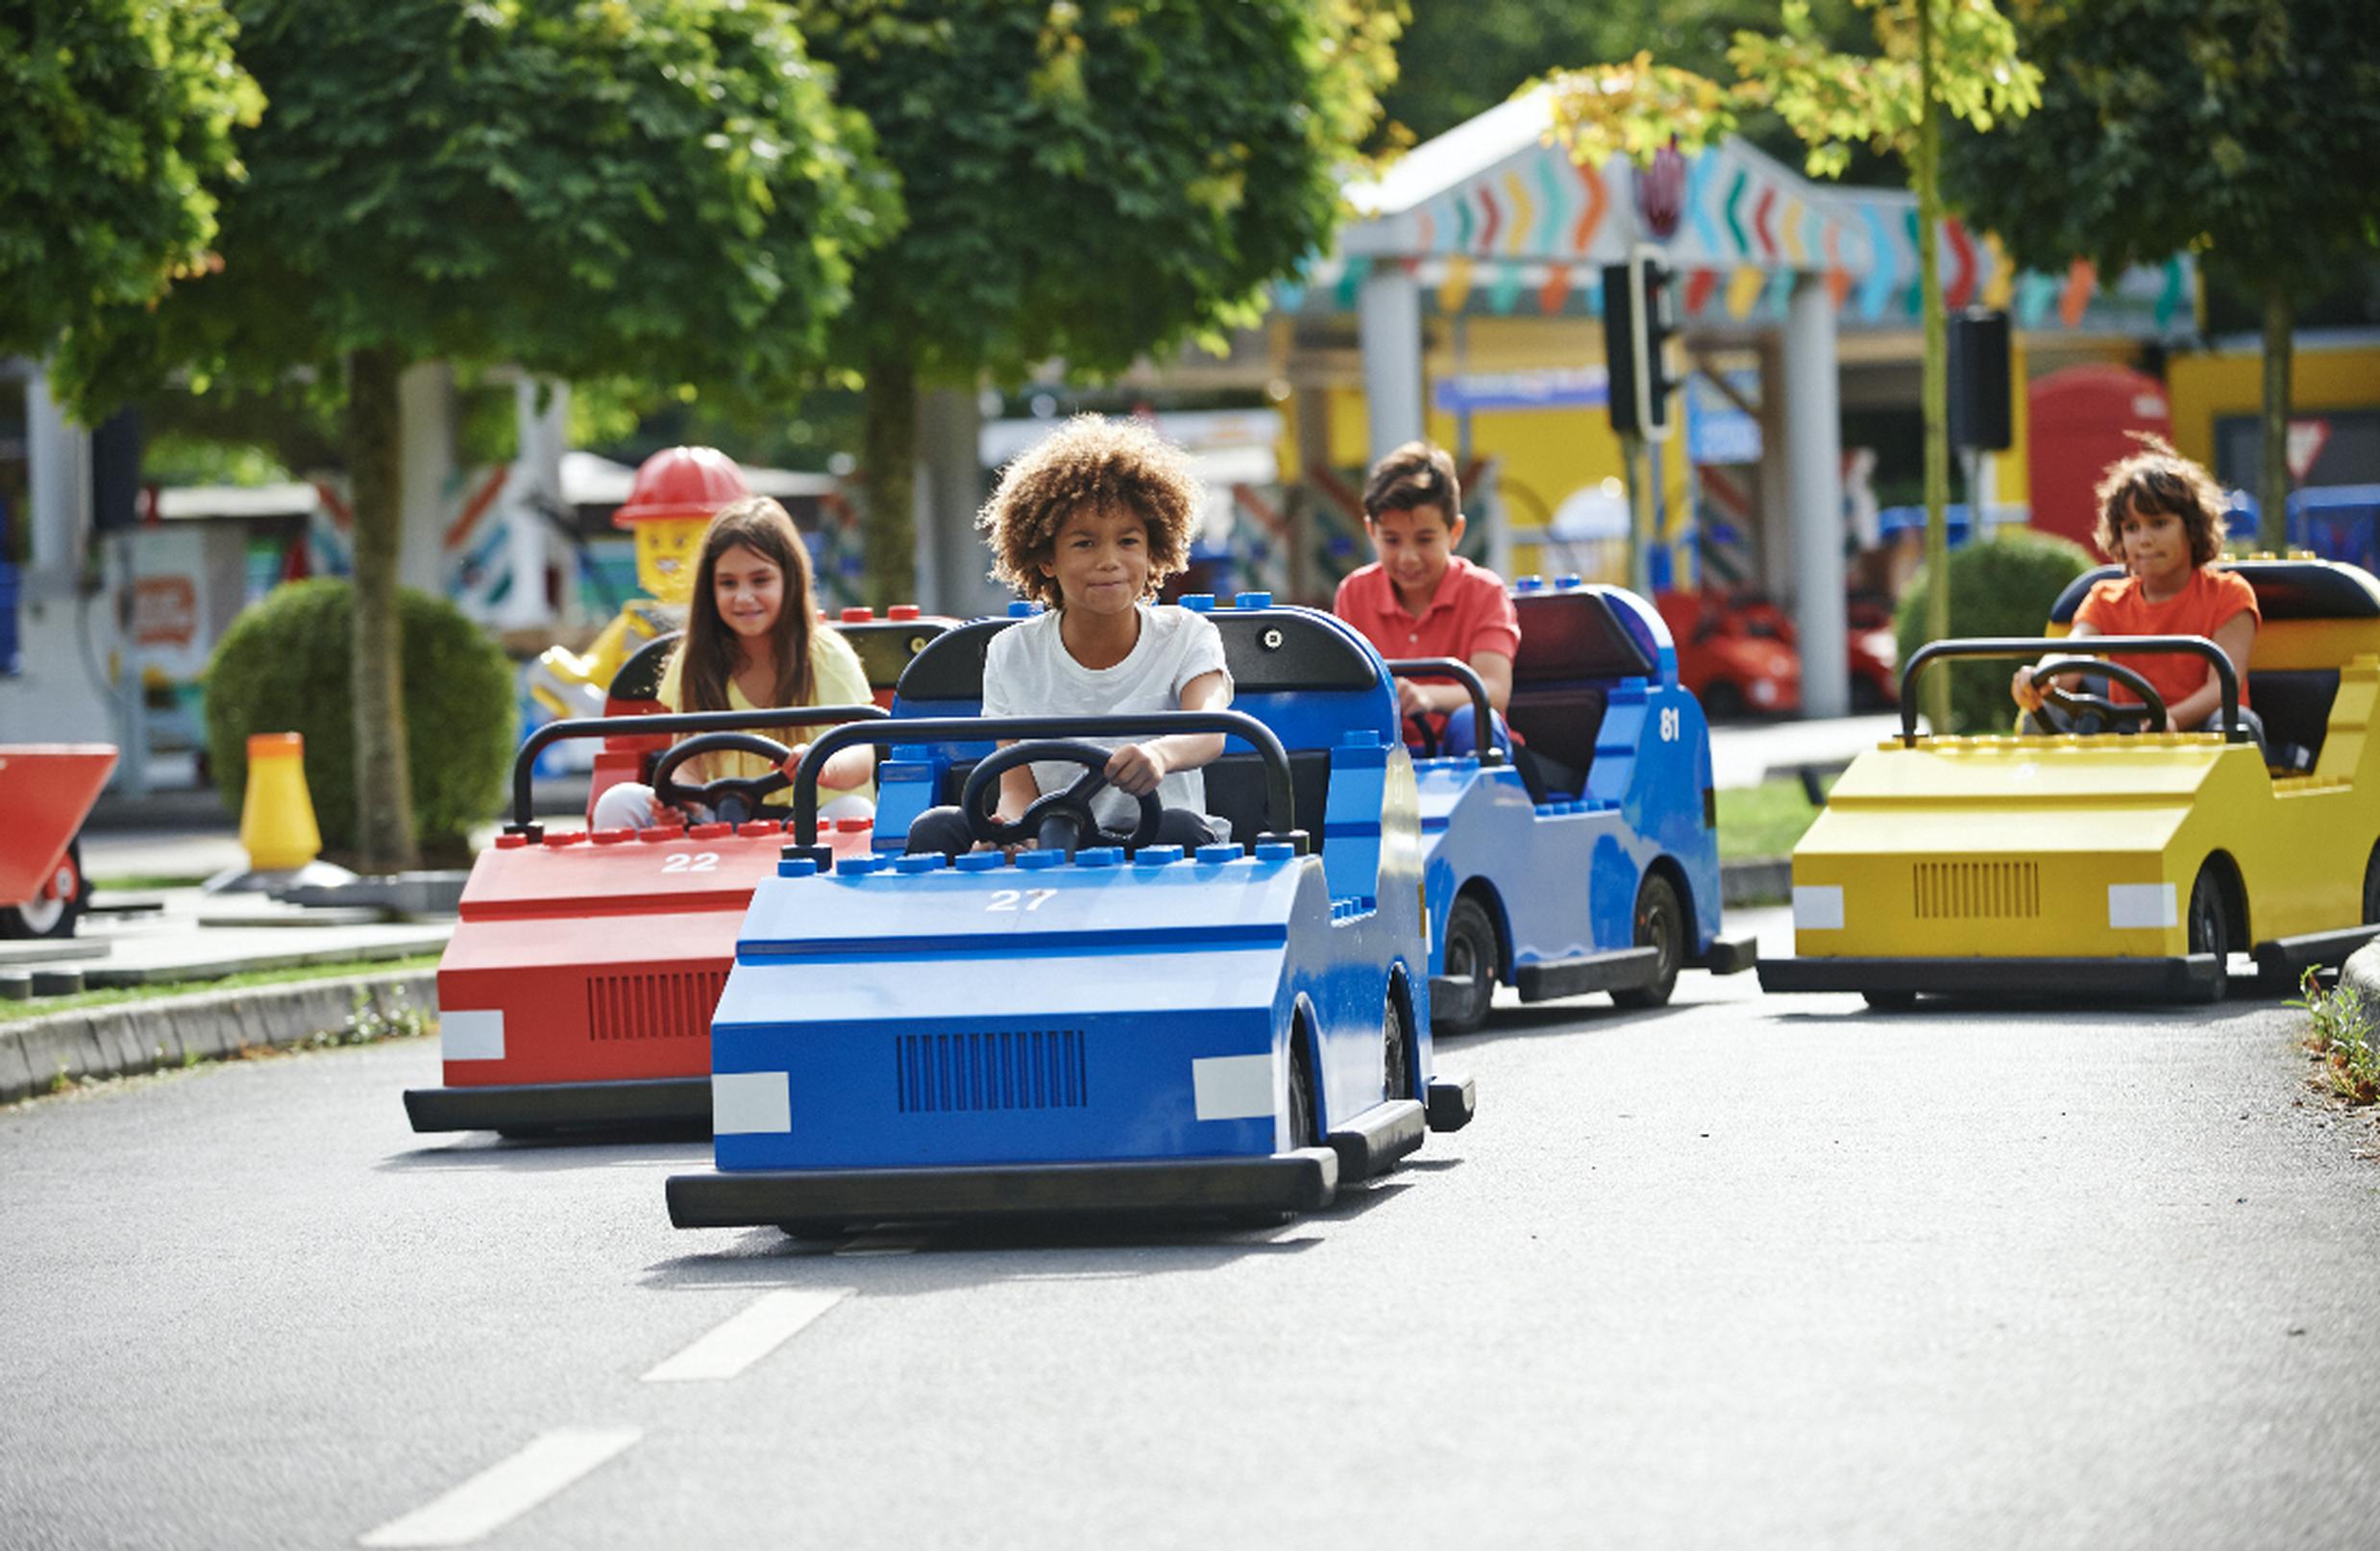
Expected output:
(2203, 388)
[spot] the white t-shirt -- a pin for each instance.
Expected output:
(1028, 672)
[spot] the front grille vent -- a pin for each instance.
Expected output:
(1975, 890)
(1015, 1069)
(675, 1005)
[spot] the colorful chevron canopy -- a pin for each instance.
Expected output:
(1494, 218)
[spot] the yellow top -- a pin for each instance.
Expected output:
(837, 679)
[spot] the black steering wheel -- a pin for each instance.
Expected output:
(731, 799)
(1074, 802)
(2073, 711)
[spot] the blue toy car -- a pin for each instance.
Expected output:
(1607, 879)
(1234, 1033)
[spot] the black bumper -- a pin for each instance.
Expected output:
(1305, 1180)
(673, 1103)
(2281, 961)
(1728, 955)
(2195, 977)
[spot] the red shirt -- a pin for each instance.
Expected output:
(1469, 614)
(2211, 599)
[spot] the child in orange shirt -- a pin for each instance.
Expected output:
(2162, 516)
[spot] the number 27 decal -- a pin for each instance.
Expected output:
(1034, 898)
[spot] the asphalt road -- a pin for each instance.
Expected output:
(1744, 1272)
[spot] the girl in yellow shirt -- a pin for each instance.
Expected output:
(753, 639)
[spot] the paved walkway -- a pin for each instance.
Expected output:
(1746, 754)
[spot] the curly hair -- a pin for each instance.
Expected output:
(1099, 464)
(2158, 479)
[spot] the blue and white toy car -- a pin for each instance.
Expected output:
(1234, 1032)
(1612, 883)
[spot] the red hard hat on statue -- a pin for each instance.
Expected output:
(682, 481)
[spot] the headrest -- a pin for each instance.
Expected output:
(2285, 590)
(639, 678)
(886, 647)
(1574, 635)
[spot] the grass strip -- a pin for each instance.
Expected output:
(1762, 820)
(117, 996)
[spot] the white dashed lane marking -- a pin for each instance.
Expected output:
(768, 1323)
(506, 1491)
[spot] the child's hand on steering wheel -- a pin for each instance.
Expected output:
(793, 761)
(1136, 769)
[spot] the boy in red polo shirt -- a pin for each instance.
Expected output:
(1422, 600)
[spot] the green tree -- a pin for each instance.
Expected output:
(583, 187)
(1090, 180)
(2245, 131)
(116, 136)
(1934, 56)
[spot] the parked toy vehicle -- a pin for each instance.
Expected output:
(46, 791)
(1612, 883)
(1228, 1032)
(1734, 656)
(2103, 865)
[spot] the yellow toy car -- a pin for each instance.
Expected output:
(2098, 865)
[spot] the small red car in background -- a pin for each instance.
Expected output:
(1735, 653)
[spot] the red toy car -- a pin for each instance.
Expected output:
(577, 989)
(1736, 655)
(46, 791)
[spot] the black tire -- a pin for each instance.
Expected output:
(1396, 1049)
(1305, 1126)
(1470, 950)
(1721, 701)
(2210, 923)
(52, 918)
(2371, 887)
(1890, 1002)
(1661, 922)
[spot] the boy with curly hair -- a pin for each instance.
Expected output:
(2161, 517)
(1090, 522)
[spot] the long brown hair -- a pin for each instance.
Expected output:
(710, 651)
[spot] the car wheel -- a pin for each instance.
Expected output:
(52, 913)
(1662, 925)
(1470, 950)
(1304, 1124)
(2210, 923)
(1396, 1051)
(1890, 1002)
(2371, 888)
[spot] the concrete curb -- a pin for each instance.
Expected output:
(172, 1031)
(2360, 973)
(1758, 880)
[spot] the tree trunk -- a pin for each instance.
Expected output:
(2272, 484)
(890, 523)
(383, 780)
(1936, 396)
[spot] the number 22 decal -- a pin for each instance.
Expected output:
(705, 861)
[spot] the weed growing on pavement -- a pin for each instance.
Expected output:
(2340, 1039)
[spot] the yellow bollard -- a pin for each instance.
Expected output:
(277, 814)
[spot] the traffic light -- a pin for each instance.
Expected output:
(1638, 322)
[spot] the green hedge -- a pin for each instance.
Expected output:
(283, 667)
(2002, 586)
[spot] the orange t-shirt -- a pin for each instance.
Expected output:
(2212, 600)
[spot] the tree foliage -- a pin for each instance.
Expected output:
(1091, 180)
(116, 137)
(2244, 131)
(580, 187)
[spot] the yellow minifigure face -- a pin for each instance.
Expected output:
(667, 549)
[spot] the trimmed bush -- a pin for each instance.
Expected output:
(2002, 586)
(283, 667)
